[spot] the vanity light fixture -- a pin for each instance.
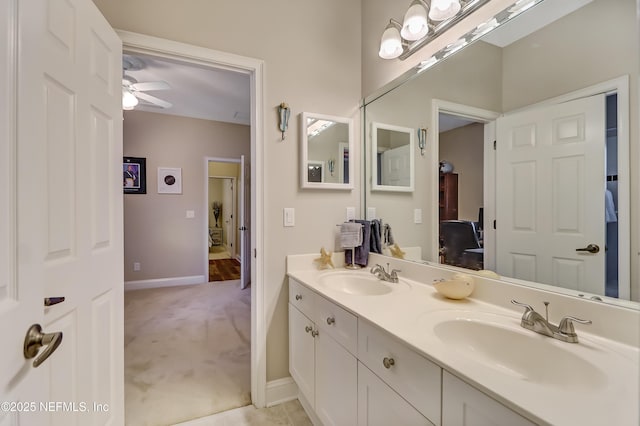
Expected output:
(284, 112)
(423, 21)
(129, 101)
(422, 140)
(391, 45)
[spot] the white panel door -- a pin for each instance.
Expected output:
(550, 194)
(65, 200)
(396, 166)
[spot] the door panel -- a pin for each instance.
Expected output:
(550, 200)
(65, 200)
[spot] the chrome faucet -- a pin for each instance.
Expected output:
(383, 275)
(531, 320)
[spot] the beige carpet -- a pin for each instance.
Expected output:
(187, 352)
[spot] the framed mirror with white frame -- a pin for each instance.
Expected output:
(326, 151)
(392, 158)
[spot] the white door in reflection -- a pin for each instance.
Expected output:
(550, 194)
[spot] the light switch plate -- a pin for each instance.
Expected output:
(351, 213)
(289, 216)
(371, 213)
(417, 215)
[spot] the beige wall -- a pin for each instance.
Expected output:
(463, 147)
(157, 233)
(312, 57)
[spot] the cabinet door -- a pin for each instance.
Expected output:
(302, 353)
(378, 404)
(336, 383)
(463, 405)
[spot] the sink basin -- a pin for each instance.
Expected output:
(358, 283)
(500, 343)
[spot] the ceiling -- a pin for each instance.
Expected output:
(224, 95)
(197, 92)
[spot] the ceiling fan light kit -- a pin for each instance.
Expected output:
(133, 92)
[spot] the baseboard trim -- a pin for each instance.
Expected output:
(164, 282)
(281, 390)
(307, 409)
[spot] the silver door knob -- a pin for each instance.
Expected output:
(35, 339)
(591, 248)
(331, 320)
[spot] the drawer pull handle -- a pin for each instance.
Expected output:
(308, 328)
(314, 333)
(388, 362)
(331, 320)
(298, 297)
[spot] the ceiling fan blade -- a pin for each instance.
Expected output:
(150, 85)
(153, 100)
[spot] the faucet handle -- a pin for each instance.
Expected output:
(523, 305)
(566, 324)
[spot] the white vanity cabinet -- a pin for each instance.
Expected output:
(413, 377)
(325, 371)
(464, 405)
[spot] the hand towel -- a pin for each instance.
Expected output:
(376, 246)
(350, 234)
(361, 252)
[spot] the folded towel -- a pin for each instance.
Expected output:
(350, 235)
(361, 252)
(609, 208)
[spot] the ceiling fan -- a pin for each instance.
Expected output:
(133, 92)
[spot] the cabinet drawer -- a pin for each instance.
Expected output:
(414, 377)
(302, 298)
(338, 323)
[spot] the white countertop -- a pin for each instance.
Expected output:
(612, 398)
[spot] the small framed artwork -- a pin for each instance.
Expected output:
(134, 175)
(169, 180)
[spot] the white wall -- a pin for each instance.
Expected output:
(312, 52)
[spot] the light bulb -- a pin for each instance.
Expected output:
(390, 44)
(129, 101)
(442, 10)
(414, 26)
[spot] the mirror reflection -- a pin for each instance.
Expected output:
(326, 145)
(557, 183)
(392, 161)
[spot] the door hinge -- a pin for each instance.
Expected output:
(255, 253)
(495, 143)
(494, 224)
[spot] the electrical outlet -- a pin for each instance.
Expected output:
(190, 214)
(136, 266)
(417, 215)
(351, 213)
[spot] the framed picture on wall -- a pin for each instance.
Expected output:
(134, 175)
(169, 180)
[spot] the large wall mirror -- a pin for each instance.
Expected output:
(392, 158)
(326, 151)
(535, 124)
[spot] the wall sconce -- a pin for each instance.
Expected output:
(422, 23)
(284, 113)
(422, 140)
(332, 165)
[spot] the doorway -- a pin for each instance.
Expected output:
(135, 43)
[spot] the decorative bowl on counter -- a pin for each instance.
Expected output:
(458, 287)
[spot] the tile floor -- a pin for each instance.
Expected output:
(287, 414)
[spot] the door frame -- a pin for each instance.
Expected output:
(255, 68)
(482, 116)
